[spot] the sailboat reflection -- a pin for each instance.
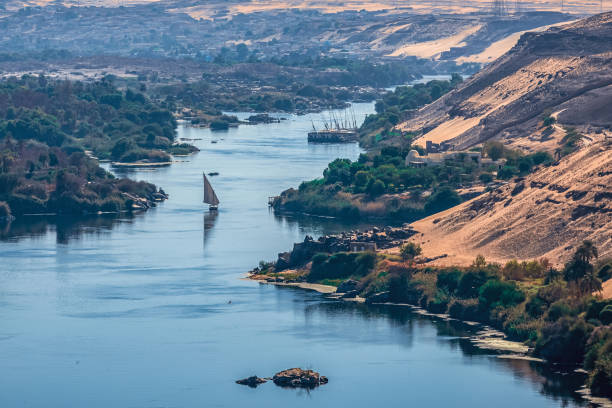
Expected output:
(210, 217)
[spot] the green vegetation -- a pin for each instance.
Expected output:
(553, 311)
(348, 189)
(569, 143)
(75, 116)
(392, 108)
(517, 164)
(410, 250)
(293, 95)
(36, 179)
(341, 265)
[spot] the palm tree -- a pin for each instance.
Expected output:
(580, 269)
(586, 252)
(589, 284)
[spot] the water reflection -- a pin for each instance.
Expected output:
(210, 218)
(327, 225)
(557, 383)
(66, 228)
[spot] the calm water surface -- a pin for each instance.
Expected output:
(135, 312)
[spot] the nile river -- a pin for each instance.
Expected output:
(136, 312)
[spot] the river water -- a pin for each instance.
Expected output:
(136, 312)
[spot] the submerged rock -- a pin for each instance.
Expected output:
(296, 377)
(252, 381)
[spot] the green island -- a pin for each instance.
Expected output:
(552, 310)
(293, 83)
(51, 133)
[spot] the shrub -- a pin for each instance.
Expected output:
(605, 316)
(486, 178)
(410, 251)
(564, 341)
(507, 172)
(558, 310)
(341, 265)
(594, 308)
(470, 283)
(497, 293)
(441, 200)
(439, 303)
(549, 120)
(449, 280)
(605, 271)
(598, 358)
(399, 288)
(536, 306)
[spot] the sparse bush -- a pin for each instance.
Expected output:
(410, 250)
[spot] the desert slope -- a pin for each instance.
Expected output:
(547, 214)
(561, 70)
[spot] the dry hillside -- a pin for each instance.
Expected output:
(547, 214)
(564, 71)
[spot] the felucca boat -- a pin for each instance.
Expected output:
(210, 197)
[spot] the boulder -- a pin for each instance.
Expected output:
(252, 381)
(296, 377)
(350, 294)
(380, 297)
(283, 261)
(347, 286)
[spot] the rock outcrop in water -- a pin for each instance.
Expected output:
(298, 378)
(252, 381)
(293, 377)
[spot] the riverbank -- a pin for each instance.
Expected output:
(536, 310)
(485, 338)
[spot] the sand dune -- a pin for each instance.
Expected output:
(433, 49)
(499, 48)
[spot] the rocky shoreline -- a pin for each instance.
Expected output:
(350, 241)
(485, 338)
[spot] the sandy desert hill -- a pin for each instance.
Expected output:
(548, 214)
(564, 71)
(567, 73)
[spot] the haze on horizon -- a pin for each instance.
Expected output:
(581, 7)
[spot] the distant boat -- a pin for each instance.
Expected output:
(213, 173)
(210, 197)
(336, 129)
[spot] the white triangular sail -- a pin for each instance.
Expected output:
(209, 194)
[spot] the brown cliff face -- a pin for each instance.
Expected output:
(564, 71)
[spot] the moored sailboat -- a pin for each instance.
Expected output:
(210, 197)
